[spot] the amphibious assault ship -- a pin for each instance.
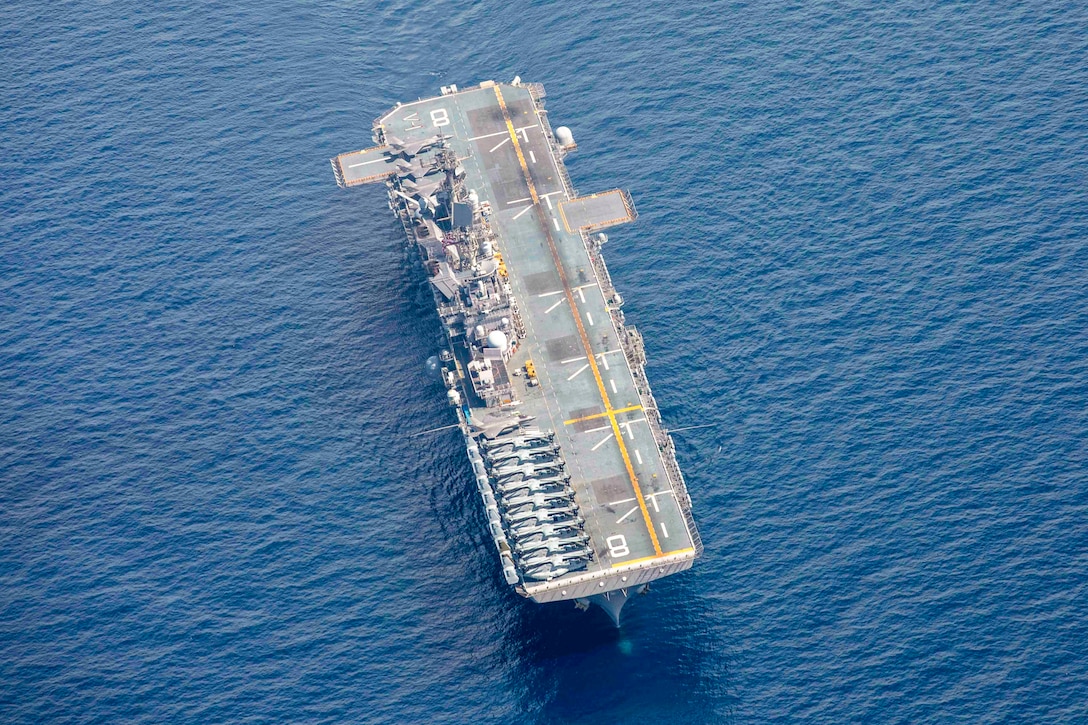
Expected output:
(578, 476)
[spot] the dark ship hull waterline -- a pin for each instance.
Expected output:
(584, 497)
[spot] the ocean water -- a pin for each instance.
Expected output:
(862, 253)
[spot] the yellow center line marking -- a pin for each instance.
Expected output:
(581, 329)
(628, 409)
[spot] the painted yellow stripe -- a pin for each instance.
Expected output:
(628, 409)
(581, 328)
(517, 148)
(629, 562)
(563, 216)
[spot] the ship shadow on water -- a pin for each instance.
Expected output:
(573, 666)
(667, 659)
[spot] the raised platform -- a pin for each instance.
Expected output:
(597, 211)
(363, 167)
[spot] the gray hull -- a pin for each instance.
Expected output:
(539, 349)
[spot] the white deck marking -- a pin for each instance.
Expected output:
(638, 457)
(607, 352)
(569, 360)
(557, 303)
(590, 318)
(603, 441)
(582, 295)
(490, 135)
(622, 500)
(652, 498)
(578, 372)
(404, 106)
(664, 530)
(520, 201)
(524, 132)
(497, 146)
(598, 430)
(523, 211)
(626, 425)
(613, 384)
(548, 202)
(364, 163)
(532, 156)
(556, 223)
(551, 294)
(621, 518)
(604, 361)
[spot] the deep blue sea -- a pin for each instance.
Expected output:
(862, 254)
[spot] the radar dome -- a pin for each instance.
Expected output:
(564, 136)
(497, 339)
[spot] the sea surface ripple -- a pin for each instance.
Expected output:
(861, 253)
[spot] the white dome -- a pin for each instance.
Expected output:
(497, 339)
(564, 136)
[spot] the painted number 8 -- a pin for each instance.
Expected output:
(617, 546)
(439, 117)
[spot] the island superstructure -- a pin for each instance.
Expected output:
(585, 500)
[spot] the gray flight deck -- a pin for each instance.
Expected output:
(597, 211)
(362, 167)
(599, 405)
